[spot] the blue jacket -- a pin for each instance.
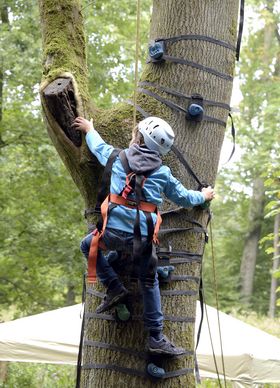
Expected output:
(161, 181)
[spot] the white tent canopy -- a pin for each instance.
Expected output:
(251, 356)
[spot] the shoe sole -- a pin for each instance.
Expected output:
(114, 302)
(164, 353)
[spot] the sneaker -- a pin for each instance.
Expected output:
(111, 299)
(164, 347)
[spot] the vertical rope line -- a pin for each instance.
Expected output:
(136, 61)
(211, 341)
(217, 301)
(206, 314)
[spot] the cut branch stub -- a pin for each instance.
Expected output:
(60, 100)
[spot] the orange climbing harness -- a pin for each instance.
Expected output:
(113, 200)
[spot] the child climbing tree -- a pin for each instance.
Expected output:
(194, 64)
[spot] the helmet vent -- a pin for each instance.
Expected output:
(156, 126)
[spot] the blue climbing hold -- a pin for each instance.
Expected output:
(155, 371)
(156, 50)
(195, 110)
(165, 271)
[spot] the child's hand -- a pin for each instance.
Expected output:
(82, 124)
(208, 193)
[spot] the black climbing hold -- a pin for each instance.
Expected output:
(156, 50)
(155, 371)
(195, 108)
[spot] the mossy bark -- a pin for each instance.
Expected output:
(64, 52)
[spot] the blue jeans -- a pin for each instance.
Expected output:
(119, 241)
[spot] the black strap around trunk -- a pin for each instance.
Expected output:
(186, 164)
(240, 29)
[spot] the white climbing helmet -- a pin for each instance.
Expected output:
(157, 133)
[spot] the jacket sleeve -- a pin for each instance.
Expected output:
(98, 146)
(177, 193)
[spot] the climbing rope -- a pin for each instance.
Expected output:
(137, 45)
(217, 299)
(212, 345)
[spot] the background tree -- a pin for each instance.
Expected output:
(34, 262)
(258, 145)
(38, 272)
(260, 71)
(271, 240)
(64, 51)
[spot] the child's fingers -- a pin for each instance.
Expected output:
(80, 120)
(77, 126)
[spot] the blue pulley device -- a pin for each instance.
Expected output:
(156, 50)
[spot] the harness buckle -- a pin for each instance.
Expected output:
(95, 232)
(131, 202)
(127, 190)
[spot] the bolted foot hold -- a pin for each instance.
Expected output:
(155, 371)
(195, 110)
(122, 313)
(156, 51)
(164, 272)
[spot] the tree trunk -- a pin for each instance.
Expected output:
(275, 266)
(3, 371)
(70, 294)
(5, 25)
(250, 251)
(199, 142)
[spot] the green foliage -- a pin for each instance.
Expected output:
(272, 210)
(259, 75)
(269, 325)
(41, 211)
(258, 139)
(28, 375)
(229, 226)
(111, 33)
(272, 184)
